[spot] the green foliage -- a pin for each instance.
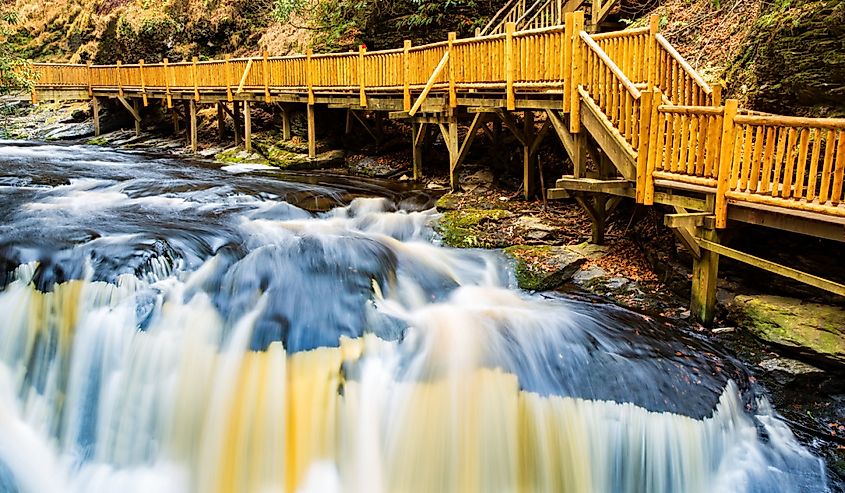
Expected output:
(15, 73)
(283, 9)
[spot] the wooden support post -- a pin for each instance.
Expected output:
(453, 95)
(119, 79)
(418, 131)
(529, 172)
(88, 76)
(143, 82)
(406, 78)
(174, 116)
(362, 77)
(651, 53)
(265, 72)
(453, 144)
(95, 110)
(236, 117)
(725, 162)
(655, 146)
(193, 107)
(566, 61)
(137, 116)
(286, 123)
(579, 160)
(247, 127)
(717, 95)
(705, 273)
(194, 80)
(227, 68)
(510, 63)
(596, 207)
(312, 133)
(221, 122)
(645, 117)
(578, 66)
(167, 90)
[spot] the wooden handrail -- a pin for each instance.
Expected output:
(683, 63)
(792, 121)
(625, 33)
(626, 83)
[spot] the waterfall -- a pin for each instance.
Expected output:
(258, 347)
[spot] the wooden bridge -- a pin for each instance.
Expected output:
(636, 120)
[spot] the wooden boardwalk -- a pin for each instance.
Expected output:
(636, 120)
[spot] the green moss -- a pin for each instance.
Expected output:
(788, 322)
(459, 228)
(98, 141)
(544, 267)
(236, 155)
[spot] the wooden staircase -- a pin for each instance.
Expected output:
(546, 13)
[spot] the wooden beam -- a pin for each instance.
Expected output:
(592, 185)
(477, 122)
(129, 108)
(221, 122)
(286, 133)
(312, 132)
(686, 219)
(237, 117)
(509, 122)
(363, 122)
(529, 168)
(137, 120)
(95, 110)
(773, 267)
(193, 108)
(247, 127)
(541, 135)
(558, 194)
(244, 76)
(705, 273)
(430, 84)
(417, 134)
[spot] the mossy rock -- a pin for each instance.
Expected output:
(279, 154)
(814, 331)
(238, 155)
(464, 228)
(543, 268)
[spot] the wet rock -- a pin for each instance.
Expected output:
(589, 250)
(786, 370)
(535, 224)
(809, 330)
(69, 131)
(368, 166)
(542, 268)
(463, 228)
(588, 275)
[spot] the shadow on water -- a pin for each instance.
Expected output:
(175, 326)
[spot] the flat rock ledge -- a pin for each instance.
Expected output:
(543, 268)
(810, 331)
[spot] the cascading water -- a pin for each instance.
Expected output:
(171, 327)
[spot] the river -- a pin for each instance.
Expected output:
(173, 326)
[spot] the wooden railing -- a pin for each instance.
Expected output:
(659, 109)
(510, 13)
(611, 90)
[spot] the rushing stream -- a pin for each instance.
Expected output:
(168, 326)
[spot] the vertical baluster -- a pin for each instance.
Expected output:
(814, 164)
(786, 155)
(797, 188)
(827, 169)
(839, 173)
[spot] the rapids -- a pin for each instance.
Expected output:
(169, 326)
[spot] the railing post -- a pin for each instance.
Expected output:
(646, 116)
(577, 68)
(453, 96)
(717, 95)
(510, 27)
(309, 75)
(194, 78)
(725, 161)
(406, 75)
(119, 79)
(88, 74)
(265, 71)
(228, 68)
(655, 145)
(143, 82)
(362, 76)
(167, 85)
(566, 63)
(651, 51)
